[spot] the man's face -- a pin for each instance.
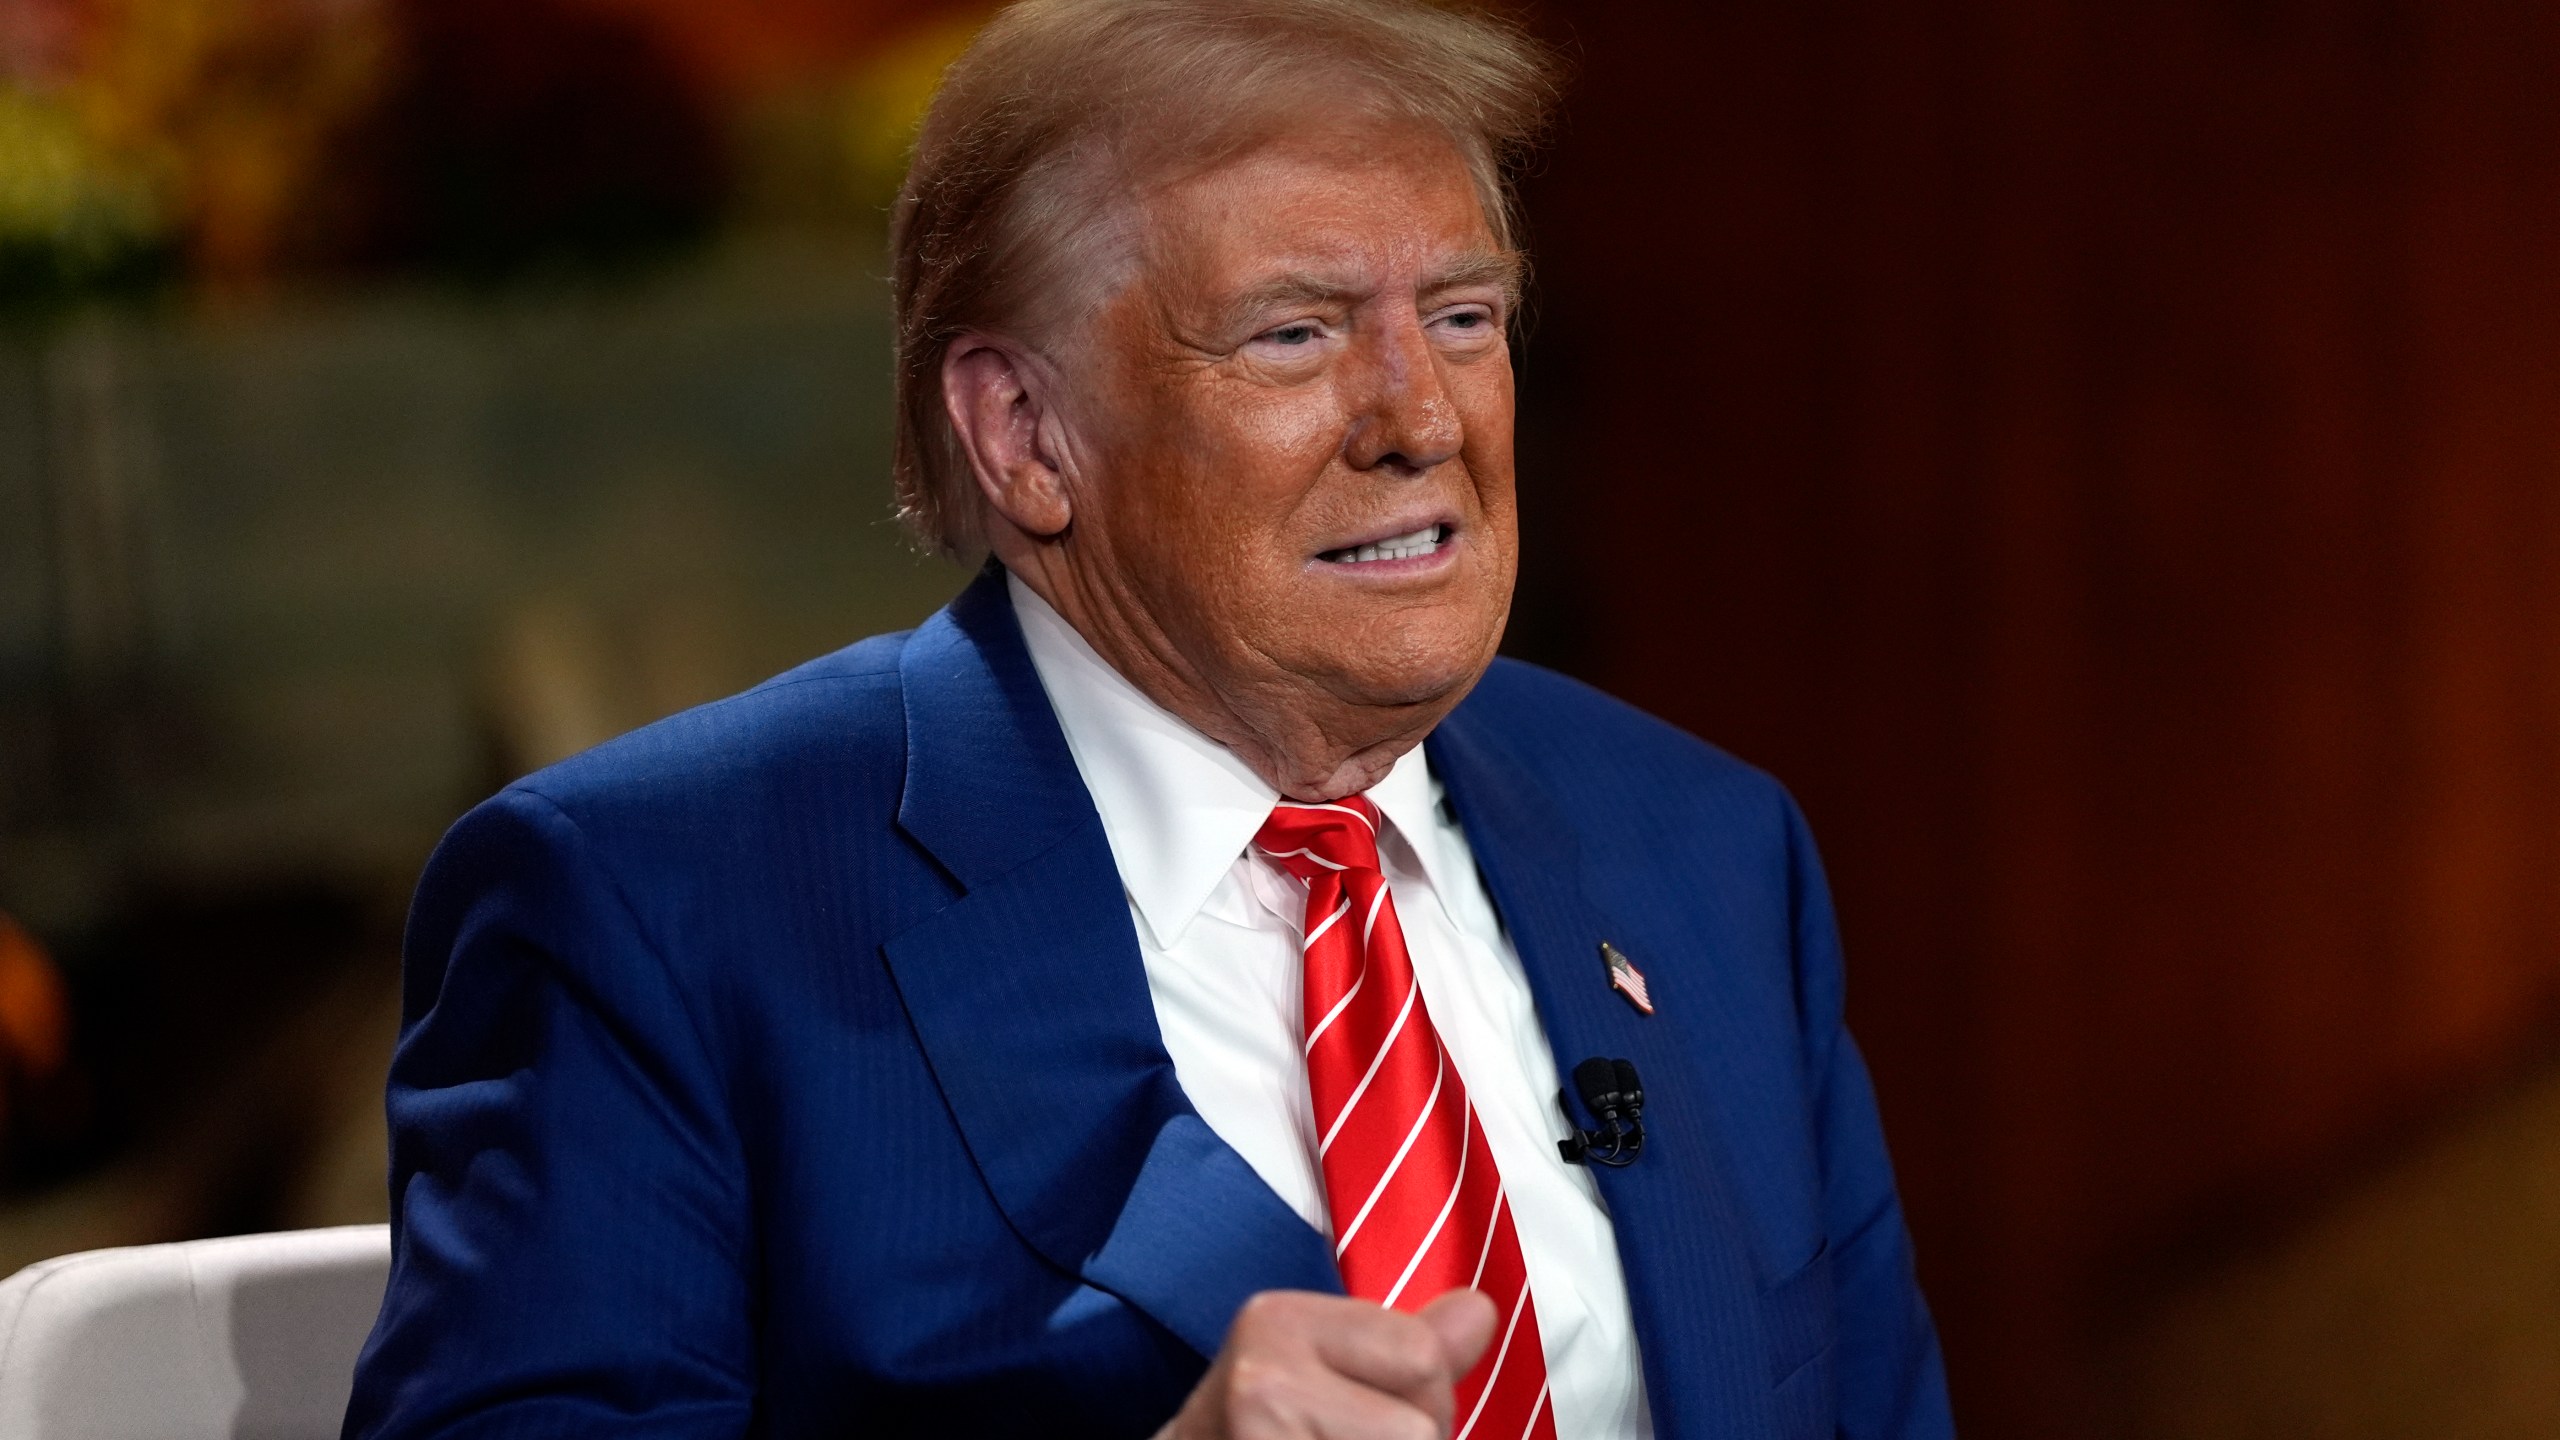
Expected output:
(1300, 469)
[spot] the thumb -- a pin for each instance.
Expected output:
(1463, 1319)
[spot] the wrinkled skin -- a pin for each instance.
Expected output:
(1302, 351)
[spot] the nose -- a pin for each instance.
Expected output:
(1403, 420)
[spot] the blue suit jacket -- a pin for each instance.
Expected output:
(787, 1068)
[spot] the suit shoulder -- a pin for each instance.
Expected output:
(1567, 726)
(1562, 716)
(839, 715)
(727, 809)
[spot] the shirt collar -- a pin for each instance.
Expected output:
(1178, 807)
(1410, 799)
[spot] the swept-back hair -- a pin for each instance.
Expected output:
(1016, 196)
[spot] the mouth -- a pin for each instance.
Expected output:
(1412, 545)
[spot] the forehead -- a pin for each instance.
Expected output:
(1384, 201)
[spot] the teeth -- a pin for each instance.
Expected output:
(1396, 547)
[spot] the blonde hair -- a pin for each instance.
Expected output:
(1058, 105)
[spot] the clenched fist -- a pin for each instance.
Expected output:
(1303, 1366)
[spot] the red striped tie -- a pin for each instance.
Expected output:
(1418, 1207)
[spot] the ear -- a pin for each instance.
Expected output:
(1000, 403)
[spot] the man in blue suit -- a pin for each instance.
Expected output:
(1135, 1001)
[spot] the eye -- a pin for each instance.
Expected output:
(1302, 333)
(1469, 321)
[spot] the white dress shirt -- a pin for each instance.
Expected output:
(1219, 930)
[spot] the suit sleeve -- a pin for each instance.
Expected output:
(570, 1235)
(1891, 1378)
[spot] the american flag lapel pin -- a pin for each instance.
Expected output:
(1625, 978)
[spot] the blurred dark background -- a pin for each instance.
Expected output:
(2105, 458)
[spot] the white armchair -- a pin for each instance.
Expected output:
(251, 1337)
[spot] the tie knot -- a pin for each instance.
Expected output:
(1312, 840)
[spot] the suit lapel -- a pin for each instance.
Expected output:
(1030, 1000)
(1682, 1238)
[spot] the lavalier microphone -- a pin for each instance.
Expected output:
(1615, 1098)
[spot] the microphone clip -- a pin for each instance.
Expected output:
(1615, 1098)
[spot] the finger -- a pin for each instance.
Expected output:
(1322, 1367)
(1391, 1352)
(1463, 1321)
(1344, 1411)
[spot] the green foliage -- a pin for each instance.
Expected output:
(76, 222)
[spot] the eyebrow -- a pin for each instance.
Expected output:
(1501, 269)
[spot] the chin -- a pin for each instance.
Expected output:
(1422, 669)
